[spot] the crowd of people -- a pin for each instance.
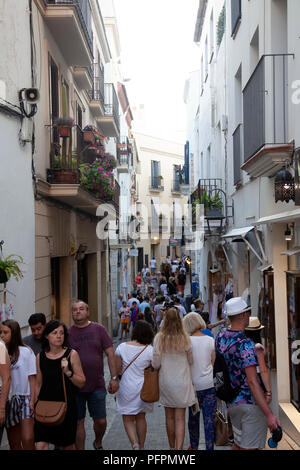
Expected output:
(160, 331)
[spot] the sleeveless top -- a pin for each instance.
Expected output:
(52, 390)
(52, 386)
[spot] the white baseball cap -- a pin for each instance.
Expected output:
(235, 306)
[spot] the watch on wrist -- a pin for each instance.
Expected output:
(114, 378)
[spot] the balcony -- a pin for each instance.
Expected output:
(265, 97)
(124, 155)
(69, 22)
(237, 154)
(84, 77)
(96, 93)
(110, 121)
(156, 184)
(64, 179)
(176, 187)
(210, 195)
(236, 15)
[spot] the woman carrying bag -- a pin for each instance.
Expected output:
(172, 353)
(57, 365)
(133, 357)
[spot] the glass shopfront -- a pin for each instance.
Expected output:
(293, 308)
(268, 318)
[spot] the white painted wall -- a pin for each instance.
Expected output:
(16, 187)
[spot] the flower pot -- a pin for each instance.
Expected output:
(89, 137)
(64, 177)
(64, 131)
(3, 276)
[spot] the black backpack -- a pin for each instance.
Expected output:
(222, 383)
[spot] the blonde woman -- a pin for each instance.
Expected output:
(202, 376)
(172, 355)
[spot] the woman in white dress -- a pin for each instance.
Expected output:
(132, 358)
(172, 353)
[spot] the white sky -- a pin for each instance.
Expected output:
(158, 53)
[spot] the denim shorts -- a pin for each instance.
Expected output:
(95, 402)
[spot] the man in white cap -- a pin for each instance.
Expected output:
(249, 412)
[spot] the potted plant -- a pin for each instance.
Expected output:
(9, 267)
(98, 178)
(64, 125)
(208, 202)
(89, 135)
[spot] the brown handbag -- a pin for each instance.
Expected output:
(52, 413)
(150, 389)
(221, 429)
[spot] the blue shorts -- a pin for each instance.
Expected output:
(95, 402)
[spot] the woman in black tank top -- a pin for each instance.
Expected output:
(54, 358)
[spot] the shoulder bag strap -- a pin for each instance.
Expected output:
(63, 377)
(134, 359)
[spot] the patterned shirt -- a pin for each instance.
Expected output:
(242, 354)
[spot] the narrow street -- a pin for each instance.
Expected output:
(159, 165)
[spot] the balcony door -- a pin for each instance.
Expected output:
(155, 173)
(54, 97)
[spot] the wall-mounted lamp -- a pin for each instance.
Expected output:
(284, 186)
(80, 253)
(289, 233)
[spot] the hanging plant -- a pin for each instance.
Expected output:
(10, 267)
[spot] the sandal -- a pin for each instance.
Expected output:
(136, 446)
(97, 447)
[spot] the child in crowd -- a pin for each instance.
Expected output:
(124, 314)
(134, 312)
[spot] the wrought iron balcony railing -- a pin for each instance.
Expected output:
(156, 183)
(111, 103)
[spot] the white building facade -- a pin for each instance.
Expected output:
(256, 91)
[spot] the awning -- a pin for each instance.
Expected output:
(251, 237)
(292, 251)
(281, 217)
(237, 232)
(265, 267)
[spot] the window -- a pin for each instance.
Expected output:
(212, 36)
(54, 97)
(221, 26)
(206, 59)
(201, 75)
(65, 98)
(208, 162)
(254, 50)
(155, 174)
(236, 15)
